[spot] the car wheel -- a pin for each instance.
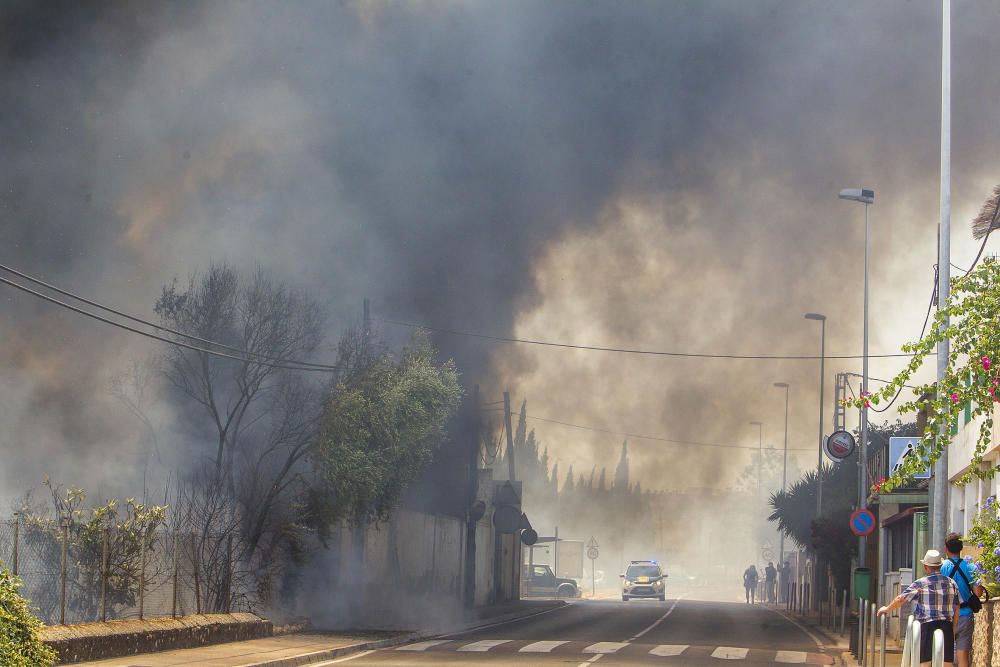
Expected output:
(566, 591)
(663, 598)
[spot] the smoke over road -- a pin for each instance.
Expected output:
(658, 175)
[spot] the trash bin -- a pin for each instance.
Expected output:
(862, 583)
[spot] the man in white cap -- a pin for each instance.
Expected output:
(937, 607)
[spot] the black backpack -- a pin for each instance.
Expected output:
(973, 603)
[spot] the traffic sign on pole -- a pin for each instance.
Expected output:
(862, 523)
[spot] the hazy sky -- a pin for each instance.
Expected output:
(657, 175)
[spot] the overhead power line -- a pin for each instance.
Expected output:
(637, 436)
(99, 318)
(160, 327)
(660, 353)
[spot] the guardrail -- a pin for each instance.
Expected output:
(871, 636)
(911, 646)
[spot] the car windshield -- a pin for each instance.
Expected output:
(643, 571)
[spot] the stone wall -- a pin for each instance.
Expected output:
(94, 641)
(986, 636)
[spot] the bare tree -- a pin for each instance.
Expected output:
(258, 414)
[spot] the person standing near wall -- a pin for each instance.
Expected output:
(770, 581)
(750, 583)
(965, 577)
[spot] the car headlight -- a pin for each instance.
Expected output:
(659, 583)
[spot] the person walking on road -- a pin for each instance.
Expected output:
(964, 575)
(770, 581)
(750, 583)
(784, 576)
(937, 606)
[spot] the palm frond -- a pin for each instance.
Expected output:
(989, 216)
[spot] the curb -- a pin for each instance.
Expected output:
(341, 651)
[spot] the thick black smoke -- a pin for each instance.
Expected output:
(439, 158)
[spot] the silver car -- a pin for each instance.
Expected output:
(644, 579)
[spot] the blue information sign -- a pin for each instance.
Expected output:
(899, 450)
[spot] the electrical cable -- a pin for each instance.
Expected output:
(504, 339)
(159, 327)
(159, 338)
(689, 443)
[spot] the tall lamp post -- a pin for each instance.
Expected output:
(760, 456)
(866, 197)
(784, 469)
(819, 456)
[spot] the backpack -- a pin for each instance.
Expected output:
(973, 603)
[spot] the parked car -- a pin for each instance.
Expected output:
(644, 579)
(541, 581)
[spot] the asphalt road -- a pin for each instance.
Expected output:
(675, 632)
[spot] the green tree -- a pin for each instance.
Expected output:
(20, 645)
(379, 430)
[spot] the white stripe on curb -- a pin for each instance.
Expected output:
(422, 646)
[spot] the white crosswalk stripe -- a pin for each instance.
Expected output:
(541, 647)
(483, 646)
(794, 657)
(605, 647)
(730, 653)
(667, 650)
(422, 646)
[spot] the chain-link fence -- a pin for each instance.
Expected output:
(75, 573)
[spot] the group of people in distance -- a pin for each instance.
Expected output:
(775, 582)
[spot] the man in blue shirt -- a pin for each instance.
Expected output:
(968, 585)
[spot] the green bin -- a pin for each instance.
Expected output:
(862, 583)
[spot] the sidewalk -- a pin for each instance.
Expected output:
(306, 648)
(838, 645)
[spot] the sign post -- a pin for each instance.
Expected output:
(593, 551)
(862, 523)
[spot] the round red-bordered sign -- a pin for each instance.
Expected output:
(862, 523)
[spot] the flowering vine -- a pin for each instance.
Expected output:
(971, 377)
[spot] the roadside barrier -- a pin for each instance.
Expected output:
(937, 655)
(869, 644)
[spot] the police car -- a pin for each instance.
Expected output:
(644, 579)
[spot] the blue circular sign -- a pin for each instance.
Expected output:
(862, 522)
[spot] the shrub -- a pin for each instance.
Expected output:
(985, 534)
(20, 645)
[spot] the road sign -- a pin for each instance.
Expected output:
(839, 445)
(900, 449)
(862, 523)
(767, 554)
(592, 549)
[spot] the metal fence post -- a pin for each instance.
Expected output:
(17, 530)
(937, 656)
(859, 647)
(915, 645)
(176, 545)
(907, 638)
(873, 630)
(105, 538)
(142, 575)
(197, 575)
(62, 570)
(884, 626)
(843, 613)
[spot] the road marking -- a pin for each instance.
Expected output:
(483, 646)
(339, 660)
(667, 650)
(730, 653)
(591, 661)
(796, 657)
(819, 642)
(541, 647)
(658, 621)
(605, 647)
(422, 646)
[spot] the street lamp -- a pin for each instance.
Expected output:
(866, 197)
(819, 457)
(784, 469)
(760, 456)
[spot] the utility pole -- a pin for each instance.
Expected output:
(784, 468)
(472, 519)
(510, 436)
(939, 484)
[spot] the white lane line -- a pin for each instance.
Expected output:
(658, 621)
(340, 660)
(817, 640)
(730, 653)
(541, 647)
(591, 661)
(605, 647)
(422, 646)
(668, 650)
(794, 657)
(482, 646)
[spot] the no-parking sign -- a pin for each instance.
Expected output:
(862, 523)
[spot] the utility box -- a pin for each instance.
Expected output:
(862, 583)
